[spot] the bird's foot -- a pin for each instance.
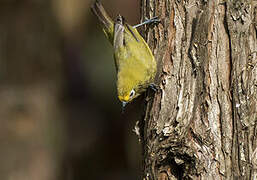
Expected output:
(154, 20)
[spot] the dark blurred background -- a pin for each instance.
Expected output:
(59, 114)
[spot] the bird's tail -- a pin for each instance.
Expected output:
(105, 20)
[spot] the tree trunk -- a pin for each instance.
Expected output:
(202, 122)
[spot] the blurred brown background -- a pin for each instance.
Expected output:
(60, 117)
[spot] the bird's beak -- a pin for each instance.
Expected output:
(123, 106)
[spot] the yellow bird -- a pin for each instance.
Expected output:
(134, 61)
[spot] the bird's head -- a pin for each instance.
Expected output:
(127, 96)
(128, 85)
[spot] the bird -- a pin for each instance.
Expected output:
(135, 64)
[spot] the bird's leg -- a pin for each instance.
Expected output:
(148, 21)
(154, 87)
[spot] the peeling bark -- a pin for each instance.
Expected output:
(202, 122)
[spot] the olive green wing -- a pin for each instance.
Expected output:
(123, 38)
(129, 45)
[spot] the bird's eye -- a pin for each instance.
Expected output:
(132, 93)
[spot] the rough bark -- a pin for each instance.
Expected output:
(202, 122)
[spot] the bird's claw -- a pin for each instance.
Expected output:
(154, 87)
